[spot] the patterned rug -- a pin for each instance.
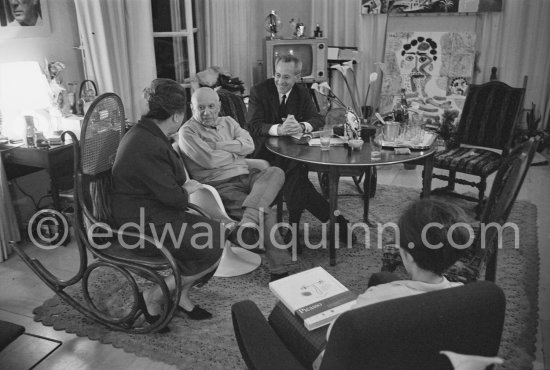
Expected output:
(211, 344)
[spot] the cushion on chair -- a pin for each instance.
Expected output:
(479, 162)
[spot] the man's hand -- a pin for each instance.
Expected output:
(289, 127)
(191, 186)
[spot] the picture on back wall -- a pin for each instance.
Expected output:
(429, 6)
(433, 68)
(24, 18)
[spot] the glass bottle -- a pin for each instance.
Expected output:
(317, 32)
(31, 130)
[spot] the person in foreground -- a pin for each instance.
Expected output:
(424, 262)
(214, 149)
(280, 107)
(149, 183)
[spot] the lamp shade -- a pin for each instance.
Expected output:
(24, 89)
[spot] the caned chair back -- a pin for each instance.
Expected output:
(102, 129)
(490, 114)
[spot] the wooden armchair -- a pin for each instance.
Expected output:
(484, 136)
(481, 256)
(94, 155)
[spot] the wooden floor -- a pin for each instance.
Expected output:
(21, 291)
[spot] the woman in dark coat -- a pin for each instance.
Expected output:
(150, 189)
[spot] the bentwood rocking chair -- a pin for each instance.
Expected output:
(490, 115)
(94, 154)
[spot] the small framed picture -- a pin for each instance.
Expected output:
(24, 18)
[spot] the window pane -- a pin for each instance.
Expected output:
(171, 58)
(161, 15)
(162, 20)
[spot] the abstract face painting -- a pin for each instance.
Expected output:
(458, 86)
(417, 64)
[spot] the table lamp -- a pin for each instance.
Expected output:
(24, 91)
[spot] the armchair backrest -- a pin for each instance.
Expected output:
(232, 105)
(490, 114)
(410, 332)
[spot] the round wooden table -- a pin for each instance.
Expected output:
(338, 159)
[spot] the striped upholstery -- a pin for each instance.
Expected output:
(478, 162)
(480, 258)
(491, 112)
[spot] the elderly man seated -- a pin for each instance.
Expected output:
(215, 149)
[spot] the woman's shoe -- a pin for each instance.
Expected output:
(151, 319)
(196, 313)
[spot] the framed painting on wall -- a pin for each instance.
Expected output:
(429, 6)
(433, 69)
(24, 18)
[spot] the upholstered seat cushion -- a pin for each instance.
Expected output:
(477, 161)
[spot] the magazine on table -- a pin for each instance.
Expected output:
(314, 296)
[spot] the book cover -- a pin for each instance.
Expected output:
(314, 296)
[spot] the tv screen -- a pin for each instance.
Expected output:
(304, 52)
(312, 52)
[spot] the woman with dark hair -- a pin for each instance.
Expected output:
(150, 188)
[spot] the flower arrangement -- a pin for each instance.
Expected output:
(54, 71)
(352, 123)
(353, 112)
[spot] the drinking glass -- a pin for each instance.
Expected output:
(375, 147)
(324, 138)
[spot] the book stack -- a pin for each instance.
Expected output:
(314, 296)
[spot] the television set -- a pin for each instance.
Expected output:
(311, 51)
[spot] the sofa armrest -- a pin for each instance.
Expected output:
(260, 347)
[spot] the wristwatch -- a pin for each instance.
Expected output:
(303, 127)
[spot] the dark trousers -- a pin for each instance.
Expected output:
(300, 194)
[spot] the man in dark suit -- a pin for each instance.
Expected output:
(280, 107)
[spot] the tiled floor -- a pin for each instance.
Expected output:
(21, 290)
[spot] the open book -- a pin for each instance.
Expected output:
(314, 296)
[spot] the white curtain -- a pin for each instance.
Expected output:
(9, 230)
(117, 36)
(516, 41)
(228, 29)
